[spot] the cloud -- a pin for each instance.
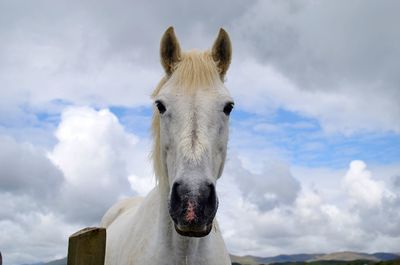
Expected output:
(337, 110)
(96, 155)
(312, 46)
(360, 187)
(273, 187)
(34, 237)
(314, 215)
(74, 52)
(376, 202)
(25, 169)
(46, 196)
(305, 59)
(29, 182)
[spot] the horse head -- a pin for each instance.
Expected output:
(191, 126)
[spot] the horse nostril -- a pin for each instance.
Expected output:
(175, 197)
(211, 186)
(212, 194)
(176, 185)
(210, 200)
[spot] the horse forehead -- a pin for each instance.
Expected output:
(201, 99)
(195, 118)
(195, 112)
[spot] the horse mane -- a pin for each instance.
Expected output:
(196, 70)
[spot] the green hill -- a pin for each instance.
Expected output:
(57, 262)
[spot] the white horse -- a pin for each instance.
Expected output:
(174, 223)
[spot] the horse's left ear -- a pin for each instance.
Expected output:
(222, 52)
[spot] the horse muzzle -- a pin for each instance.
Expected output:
(193, 210)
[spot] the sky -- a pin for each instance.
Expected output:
(314, 154)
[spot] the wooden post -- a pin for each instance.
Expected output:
(87, 247)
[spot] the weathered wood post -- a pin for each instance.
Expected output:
(87, 247)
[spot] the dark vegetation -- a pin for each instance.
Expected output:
(336, 262)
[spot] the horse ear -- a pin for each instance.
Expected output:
(170, 50)
(222, 52)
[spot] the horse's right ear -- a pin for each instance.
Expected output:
(170, 51)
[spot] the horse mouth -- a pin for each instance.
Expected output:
(193, 231)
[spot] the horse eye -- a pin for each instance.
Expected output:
(228, 108)
(160, 106)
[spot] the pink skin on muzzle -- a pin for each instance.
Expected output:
(190, 212)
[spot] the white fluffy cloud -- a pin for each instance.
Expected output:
(361, 187)
(315, 221)
(97, 156)
(42, 200)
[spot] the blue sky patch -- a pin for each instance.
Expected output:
(306, 144)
